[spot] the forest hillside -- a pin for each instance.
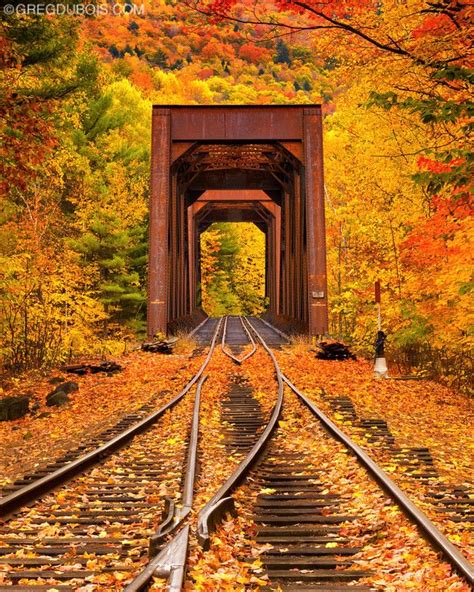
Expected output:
(75, 105)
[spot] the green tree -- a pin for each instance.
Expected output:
(233, 269)
(119, 256)
(283, 53)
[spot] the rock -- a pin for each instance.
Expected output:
(79, 369)
(163, 346)
(107, 367)
(60, 394)
(56, 380)
(66, 388)
(14, 407)
(57, 399)
(43, 415)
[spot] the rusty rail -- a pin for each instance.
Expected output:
(224, 347)
(252, 341)
(437, 538)
(169, 564)
(176, 516)
(170, 561)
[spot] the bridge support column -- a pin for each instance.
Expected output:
(315, 222)
(159, 211)
(298, 245)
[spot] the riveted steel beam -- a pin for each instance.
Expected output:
(261, 164)
(158, 226)
(315, 223)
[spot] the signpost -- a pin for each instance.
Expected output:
(380, 369)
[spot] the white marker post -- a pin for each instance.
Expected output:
(380, 369)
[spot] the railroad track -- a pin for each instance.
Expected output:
(451, 501)
(296, 515)
(105, 520)
(107, 505)
(101, 438)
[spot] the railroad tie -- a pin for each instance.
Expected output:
(301, 521)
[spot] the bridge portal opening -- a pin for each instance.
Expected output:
(255, 164)
(232, 262)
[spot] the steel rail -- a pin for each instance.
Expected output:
(36, 489)
(176, 516)
(170, 563)
(223, 349)
(252, 340)
(221, 502)
(237, 360)
(196, 329)
(280, 333)
(438, 539)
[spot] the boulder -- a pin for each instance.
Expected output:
(66, 387)
(60, 394)
(14, 407)
(57, 399)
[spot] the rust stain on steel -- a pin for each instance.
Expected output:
(179, 148)
(236, 123)
(158, 225)
(315, 221)
(234, 195)
(294, 148)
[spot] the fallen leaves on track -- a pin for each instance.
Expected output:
(392, 548)
(146, 472)
(420, 414)
(99, 404)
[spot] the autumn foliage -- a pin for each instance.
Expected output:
(75, 98)
(233, 269)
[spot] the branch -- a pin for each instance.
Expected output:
(353, 30)
(332, 23)
(194, 5)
